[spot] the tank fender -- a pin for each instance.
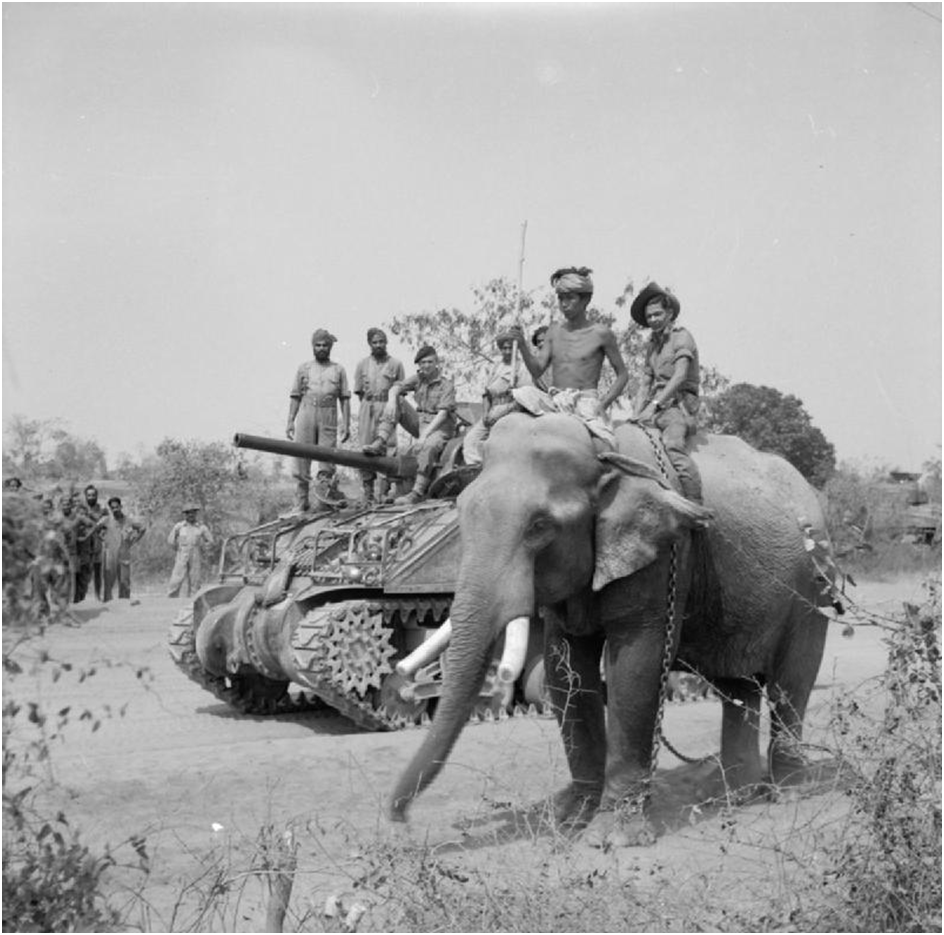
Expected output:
(220, 637)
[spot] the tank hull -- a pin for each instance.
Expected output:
(314, 613)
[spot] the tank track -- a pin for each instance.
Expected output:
(346, 650)
(253, 695)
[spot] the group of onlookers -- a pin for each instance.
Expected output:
(85, 545)
(90, 539)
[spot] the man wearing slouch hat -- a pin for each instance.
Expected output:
(320, 386)
(575, 348)
(432, 423)
(668, 393)
(373, 378)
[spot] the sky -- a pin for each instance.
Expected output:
(189, 190)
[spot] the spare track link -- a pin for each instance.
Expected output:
(249, 700)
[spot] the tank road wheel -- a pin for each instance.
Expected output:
(394, 706)
(256, 694)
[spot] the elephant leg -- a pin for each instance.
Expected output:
(741, 766)
(575, 690)
(633, 672)
(788, 691)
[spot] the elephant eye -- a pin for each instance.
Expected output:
(540, 526)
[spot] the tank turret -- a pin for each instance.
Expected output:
(344, 608)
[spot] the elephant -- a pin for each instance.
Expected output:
(604, 543)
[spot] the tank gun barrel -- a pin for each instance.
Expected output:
(400, 466)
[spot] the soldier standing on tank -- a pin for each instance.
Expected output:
(373, 378)
(320, 386)
(432, 423)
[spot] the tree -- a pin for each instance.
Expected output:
(465, 340)
(77, 457)
(192, 471)
(42, 449)
(23, 445)
(771, 421)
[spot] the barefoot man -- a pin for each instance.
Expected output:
(576, 348)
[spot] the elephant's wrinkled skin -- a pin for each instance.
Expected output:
(548, 523)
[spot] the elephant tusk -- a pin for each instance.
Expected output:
(516, 649)
(427, 651)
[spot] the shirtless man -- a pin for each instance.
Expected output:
(576, 348)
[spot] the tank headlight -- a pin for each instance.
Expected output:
(352, 573)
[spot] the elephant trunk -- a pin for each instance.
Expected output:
(476, 624)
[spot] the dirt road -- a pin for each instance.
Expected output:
(170, 763)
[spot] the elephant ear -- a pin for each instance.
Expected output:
(636, 517)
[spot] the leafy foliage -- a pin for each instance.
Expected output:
(465, 340)
(888, 866)
(36, 570)
(772, 421)
(42, 449)
(189, 471)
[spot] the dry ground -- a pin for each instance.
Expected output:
(174, 765)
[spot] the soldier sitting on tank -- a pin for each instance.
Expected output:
(432, 423)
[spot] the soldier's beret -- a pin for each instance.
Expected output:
(427, 350)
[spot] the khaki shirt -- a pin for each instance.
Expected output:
(373, 378)
(321, 385)
(430, 397)
(502, 378)
(662, 353)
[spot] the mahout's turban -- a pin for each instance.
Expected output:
(503, 336)
(573, 279)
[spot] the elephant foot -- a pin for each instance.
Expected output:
(574, 806)
(801, 775)
(619, 827)
(737, 785)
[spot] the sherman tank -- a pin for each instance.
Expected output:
(346, 608)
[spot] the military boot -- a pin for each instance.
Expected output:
(417, 494)
(368, 491)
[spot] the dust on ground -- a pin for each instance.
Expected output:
(170, 763)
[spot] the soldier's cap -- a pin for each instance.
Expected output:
(427, 350)
(190, 508)
(376, 333)
(89, 487)
(112, 500)
(653, 291)
(572, 279)
(322, 334)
